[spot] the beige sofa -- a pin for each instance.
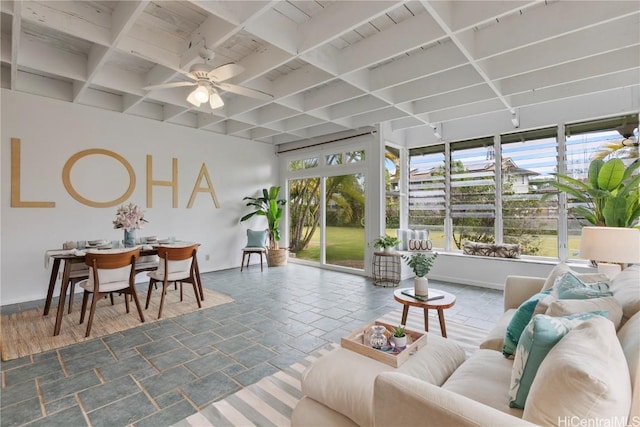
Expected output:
(590, 376)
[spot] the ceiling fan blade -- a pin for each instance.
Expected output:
(241, 90)
(169, 85)
(225, 72)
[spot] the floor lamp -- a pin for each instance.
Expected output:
(611, 247)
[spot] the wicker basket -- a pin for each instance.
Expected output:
(277, 257)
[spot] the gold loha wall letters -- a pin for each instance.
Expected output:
(16, 201)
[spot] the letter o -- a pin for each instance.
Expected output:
(66, 177)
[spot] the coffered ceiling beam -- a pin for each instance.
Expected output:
(170, 112)
(78, 19)
(303, 78)
(389, 43)
(113, 77)
(567, 48)
(300, 122)
(420, 64)
(337, 19)
(375, 117)
(294, 102)
(518, 31)
(460, 44)
(452, 99)
(40, 56)
(15, 41)
(478, 108)
(607, 63)
(597, 84)
(276, 29)
(274, 112)
(122, 19)
(356, 106)
(465, 15)
(435, 84)
(331, 94)
(405, 123)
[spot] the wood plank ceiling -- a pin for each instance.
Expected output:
(331, 66)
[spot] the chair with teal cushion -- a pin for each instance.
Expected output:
(256, 244)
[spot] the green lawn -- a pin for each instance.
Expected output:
(345, 246)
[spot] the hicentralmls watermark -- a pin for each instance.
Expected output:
(576, 421)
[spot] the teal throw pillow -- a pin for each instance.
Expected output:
(538, 338)
(519, 321)
(256, 238)
(568, 286)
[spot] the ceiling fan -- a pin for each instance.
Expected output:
(207, 81)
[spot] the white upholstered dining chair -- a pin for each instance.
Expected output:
(111, 270)
(178, 265)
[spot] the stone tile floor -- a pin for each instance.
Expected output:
(157, 374)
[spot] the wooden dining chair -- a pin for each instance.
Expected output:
(109, 271)
(178, 265)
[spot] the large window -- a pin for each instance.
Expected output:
(528, 161)
(427, 204)
(473, 191)
(490, 191)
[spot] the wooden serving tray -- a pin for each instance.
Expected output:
(355, 341)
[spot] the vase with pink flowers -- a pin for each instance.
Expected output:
(129, 217)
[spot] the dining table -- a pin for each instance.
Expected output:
(71, 257)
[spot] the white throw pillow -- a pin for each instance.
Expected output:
(565, 307)
(562, 268)
(584, 377)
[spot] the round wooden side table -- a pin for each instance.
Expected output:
(446, 301)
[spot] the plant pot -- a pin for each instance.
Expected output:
(400, 342)
(277, 257)
(388, 250)
(421, 286)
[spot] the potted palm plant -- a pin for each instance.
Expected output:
(421, 265)
(269, 206)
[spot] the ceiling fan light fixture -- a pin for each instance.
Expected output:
(201, 93)
(192, 99)
(214, 99)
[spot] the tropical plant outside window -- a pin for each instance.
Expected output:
(392, 188)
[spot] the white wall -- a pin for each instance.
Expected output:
(51, 132)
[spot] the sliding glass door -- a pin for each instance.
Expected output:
(344, 223)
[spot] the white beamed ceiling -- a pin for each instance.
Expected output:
(332, 66)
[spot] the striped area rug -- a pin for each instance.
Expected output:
(270, 401)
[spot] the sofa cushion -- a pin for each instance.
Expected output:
(563, 268)
(495, 338)
(626, 289)
(484, 378)
(565, 307)
(519, 321)
(629, 337)
(569, 286)
(584, 377)
(538, 338)
(343, 379)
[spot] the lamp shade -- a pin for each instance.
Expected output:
(610, 244)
